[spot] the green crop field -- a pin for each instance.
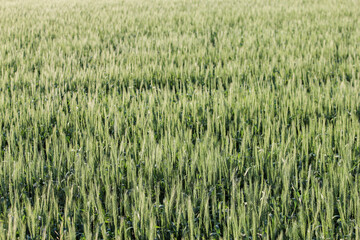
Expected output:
(179, 119)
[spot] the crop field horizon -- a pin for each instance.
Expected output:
(179, 119)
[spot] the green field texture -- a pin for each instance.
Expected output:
(179, 119)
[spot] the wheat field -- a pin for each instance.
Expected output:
(179, 119)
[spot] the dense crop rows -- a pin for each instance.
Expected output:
(171, 119)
